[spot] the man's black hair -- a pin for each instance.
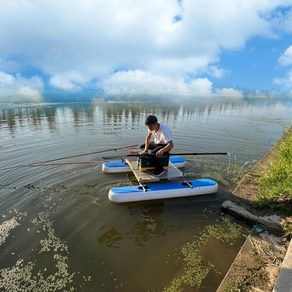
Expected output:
(150, 120)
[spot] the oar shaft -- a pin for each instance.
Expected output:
(202, 153)
(172, 154)
(177, 154)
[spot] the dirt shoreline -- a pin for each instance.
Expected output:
(258, 262)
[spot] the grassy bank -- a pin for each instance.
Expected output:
(265, 190)
(276, 184)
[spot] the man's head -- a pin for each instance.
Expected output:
(151, 120)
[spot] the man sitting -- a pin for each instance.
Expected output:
(161, 145)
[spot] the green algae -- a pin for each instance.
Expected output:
(195, 267)
(31, 275)
(7, 226)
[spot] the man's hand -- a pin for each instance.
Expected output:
(145, 151)
(159, 153)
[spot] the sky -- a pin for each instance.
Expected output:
(183, 47)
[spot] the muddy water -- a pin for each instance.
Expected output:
(58, 228)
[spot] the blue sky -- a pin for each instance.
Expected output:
(186, 47)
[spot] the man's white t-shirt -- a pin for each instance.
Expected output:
(163, 135)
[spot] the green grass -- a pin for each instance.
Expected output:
(276, 183)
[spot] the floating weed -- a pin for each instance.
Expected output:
(55, 197)
(226, 233)
(51, 242)
(32, 276)
(197, 271)
(7, 226)
(21, 278)
(18, 278)
(195, 267)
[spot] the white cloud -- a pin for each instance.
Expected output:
(71, 81)
(283, 17)
(286, 58)
(229, 92)
(6, 79)
(200, 86)
(145, 82)
(286, 82)
(216, 71)
(75, 42)
(260, 94)
(19, 88)
(141, 82)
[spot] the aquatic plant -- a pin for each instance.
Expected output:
(234, 171)
(6, 227)
(195, 267)
(26, 275)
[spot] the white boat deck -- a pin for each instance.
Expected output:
(172, 173)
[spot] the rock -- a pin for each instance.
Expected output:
(272, 222)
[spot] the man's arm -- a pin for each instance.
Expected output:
(147, 142)
(166, 148)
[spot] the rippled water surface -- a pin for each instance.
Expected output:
(58, 228)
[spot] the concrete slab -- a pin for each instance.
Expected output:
(284, 280)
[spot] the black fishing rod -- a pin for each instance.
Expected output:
(177, 154)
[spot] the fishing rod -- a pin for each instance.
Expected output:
(178, 154)
(56, 164)
(47, 162)
(84, 154)
(36, 164)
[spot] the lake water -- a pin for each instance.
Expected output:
(58, 228)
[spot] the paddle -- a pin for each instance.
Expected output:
(147, 155)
